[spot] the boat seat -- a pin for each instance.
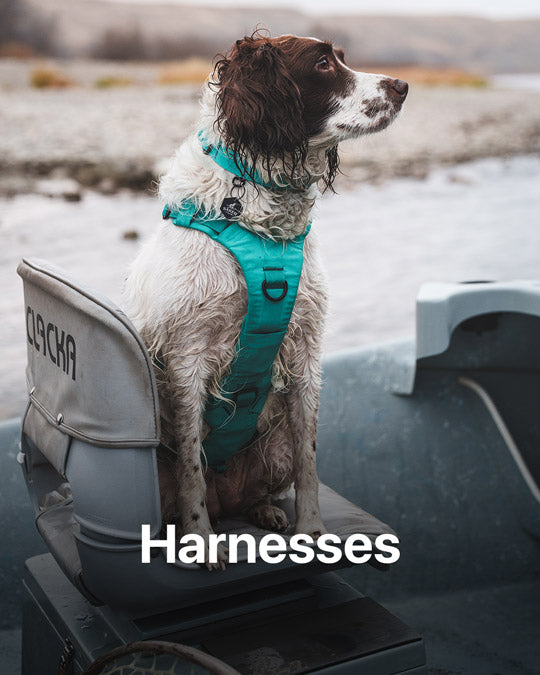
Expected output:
(487, 334)
(89, 439)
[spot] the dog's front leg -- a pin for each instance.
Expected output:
(303, 405)
(188, 384)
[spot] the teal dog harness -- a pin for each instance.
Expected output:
(272, 272)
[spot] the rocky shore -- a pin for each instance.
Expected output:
(118, 137)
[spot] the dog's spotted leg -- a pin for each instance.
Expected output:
(267, 516)
(302, 404)
(188, 385)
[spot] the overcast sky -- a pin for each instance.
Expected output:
(486, 8)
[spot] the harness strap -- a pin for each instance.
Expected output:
(272, 272)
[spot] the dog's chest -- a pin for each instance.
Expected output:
(217, 283)
(311, 300)
(201, 298)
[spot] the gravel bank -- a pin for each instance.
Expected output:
(119, 137)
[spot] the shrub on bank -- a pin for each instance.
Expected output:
(16, 50)
(189, 71)
(44, 78)
(109, 81)
(430, 76)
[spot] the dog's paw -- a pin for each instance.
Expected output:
(216, 554)
(268, 517)
(313, 527)
(221, 557)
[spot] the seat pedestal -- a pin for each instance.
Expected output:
(318, 624)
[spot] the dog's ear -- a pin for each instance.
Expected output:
(259, 104)
(340, 53)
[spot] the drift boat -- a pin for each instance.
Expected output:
(437, 435)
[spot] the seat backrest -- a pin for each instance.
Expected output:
(487, 334)
(88, 373)
(497, 321)
(92, 388)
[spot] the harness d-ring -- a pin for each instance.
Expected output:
(272, 285)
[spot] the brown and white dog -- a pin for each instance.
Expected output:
(283, 105)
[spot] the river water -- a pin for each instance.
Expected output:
(518, 81)
(380, 243)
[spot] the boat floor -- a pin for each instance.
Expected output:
(482, 631)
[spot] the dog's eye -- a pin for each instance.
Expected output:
(323, 63)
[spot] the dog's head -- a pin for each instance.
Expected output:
(279, 97)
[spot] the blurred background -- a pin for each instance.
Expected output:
(95, 95)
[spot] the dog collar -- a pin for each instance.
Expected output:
(230, 162)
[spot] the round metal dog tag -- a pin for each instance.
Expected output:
(231, 207)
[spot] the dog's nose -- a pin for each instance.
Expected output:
(401, 87)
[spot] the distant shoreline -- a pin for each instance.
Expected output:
(64, 141)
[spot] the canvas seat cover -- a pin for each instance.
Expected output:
(89, 375)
